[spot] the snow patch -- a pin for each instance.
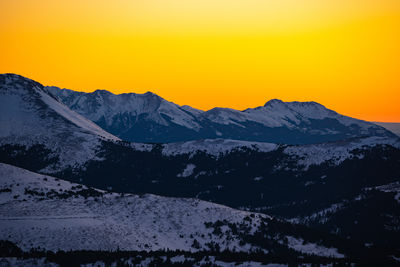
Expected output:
(335, 152)
(187, 171)
(298, 244)
(215, 147)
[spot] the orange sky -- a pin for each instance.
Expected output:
(344, 54)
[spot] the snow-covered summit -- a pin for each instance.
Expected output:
(278, 102)
(276, 113)
(30, 115)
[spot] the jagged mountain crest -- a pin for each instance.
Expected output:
(106, 106)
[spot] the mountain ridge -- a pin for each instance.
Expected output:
(150, 118)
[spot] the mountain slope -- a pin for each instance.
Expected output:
(43, 211)
(149, 118)
(30, 116)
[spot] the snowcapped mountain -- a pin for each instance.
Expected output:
(30, 117)
(149, 118)
(38, 210)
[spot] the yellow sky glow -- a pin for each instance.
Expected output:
(207, 53)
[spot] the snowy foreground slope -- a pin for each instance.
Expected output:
(30, 116)
(37, 210)
(150, 118)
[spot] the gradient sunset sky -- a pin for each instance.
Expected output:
(344, 54)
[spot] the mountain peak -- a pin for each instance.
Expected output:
(273, 102)
(14, 76)
(13, 79)
(102, 92)
(151, 95)
(307, 104)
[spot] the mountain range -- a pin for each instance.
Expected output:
(150, 118)
(340, 196)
